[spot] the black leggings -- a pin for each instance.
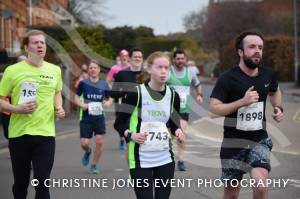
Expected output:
(5, 121)
(163, 172)
(36, 149)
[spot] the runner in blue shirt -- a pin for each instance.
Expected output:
(92, 94)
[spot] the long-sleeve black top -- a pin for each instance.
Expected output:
(124, 81)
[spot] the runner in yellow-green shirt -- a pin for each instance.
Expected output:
(35, 89)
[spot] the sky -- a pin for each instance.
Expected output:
(164, 16)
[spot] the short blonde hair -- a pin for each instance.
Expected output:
(29, 34)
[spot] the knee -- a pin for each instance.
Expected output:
(84, 143)
(99, 140)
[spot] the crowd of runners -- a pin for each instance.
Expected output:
(151, 98)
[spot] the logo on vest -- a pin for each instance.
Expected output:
(157, 113)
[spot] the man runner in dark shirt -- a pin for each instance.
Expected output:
(125, 81)
(240, 95)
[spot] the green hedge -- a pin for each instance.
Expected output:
(149, 45)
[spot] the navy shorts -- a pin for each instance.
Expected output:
(93, 126)
(236, 164)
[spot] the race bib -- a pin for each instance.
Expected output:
(158, 136)
(250, 118)
(95, 108)
(183, 92)
(28, 92)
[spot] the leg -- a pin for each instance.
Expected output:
(98, 149)
(42, 161)
(122, 145)
(143, 192)
(232, 161)
(5, 122)
(99, 129)
(20, 151)
(181, 146)
(184, 125)
(85, 144)
(259, 159)
(231, 192)
(86, 133)
(163, 173)
(260, 174)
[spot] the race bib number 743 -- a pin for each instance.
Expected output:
(250, 118)
(158, 136)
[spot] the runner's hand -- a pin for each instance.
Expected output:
(26, 108)
(60, 112)
(84, 107)
(107, 103)
(250, 96)
(180, 135)
(139, 138)
(277, 115)
(199, 99)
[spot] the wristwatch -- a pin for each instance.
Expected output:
(279, 108)
(128, 137)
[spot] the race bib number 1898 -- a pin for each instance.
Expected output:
(250, 118)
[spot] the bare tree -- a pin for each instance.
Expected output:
(195, 20)
(221, 22)
(90, 12)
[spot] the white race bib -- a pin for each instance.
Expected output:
(158, 136)
(183, 92)
(250, 118)
(28, 92)
(95, 108)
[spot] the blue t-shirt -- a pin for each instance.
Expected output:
(92, 92)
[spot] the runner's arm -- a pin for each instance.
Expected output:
(174, 122)
(6, 106)
(58, 102)
(79, 102)
(276, 98)
(116, 88)
(26, 108)
(108, 102)
(123, 117)
(219, 109)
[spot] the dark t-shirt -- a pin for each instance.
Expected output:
(125, 81)
(92, 92)
(232, 86)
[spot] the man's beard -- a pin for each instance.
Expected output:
(250, 64)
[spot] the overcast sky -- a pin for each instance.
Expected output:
(164, 16)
